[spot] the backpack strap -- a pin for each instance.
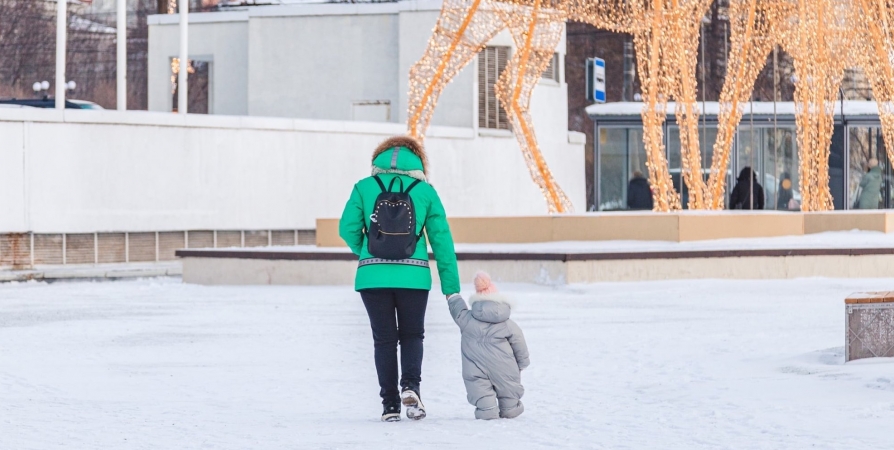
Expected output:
(381, 185)
(391, 185)
(412, 185)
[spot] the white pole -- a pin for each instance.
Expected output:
(61, 37)
(184, 57)
(122, 55)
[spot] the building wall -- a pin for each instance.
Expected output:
(224, 42)
(458, 104)
(316, 61)
(161, 171)
(319, 66)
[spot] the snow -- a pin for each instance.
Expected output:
(671, 365)
(851, 108)
(829, 240)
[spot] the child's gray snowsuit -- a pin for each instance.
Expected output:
(494, 354)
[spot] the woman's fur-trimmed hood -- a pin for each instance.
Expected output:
(411, 144)
(492, 308)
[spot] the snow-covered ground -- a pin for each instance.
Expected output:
(829, 240)
(156, 364)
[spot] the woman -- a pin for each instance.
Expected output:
(639, 193)
(870, 186)
(394, 289)
(748, 193)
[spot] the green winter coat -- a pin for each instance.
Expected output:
(355, 221)
(871, 185)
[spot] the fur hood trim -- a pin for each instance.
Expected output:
(417, 174)
(404, 141)
(496, 297)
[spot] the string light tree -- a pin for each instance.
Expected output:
(666, 36)
(463, 29)
(756, 28)
(819, 44)
(872, 22)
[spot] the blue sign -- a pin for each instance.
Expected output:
(596, 80)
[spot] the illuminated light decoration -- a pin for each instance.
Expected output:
(819, 44)
(756, 27)
(872, 22)
(463, 29)
(666, 37)
(818, 34)
(536, 33)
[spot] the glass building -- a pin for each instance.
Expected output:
(766, 141)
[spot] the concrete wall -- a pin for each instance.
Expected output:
(232, 271)
(94, 171)
(319, 66)
(224, 42)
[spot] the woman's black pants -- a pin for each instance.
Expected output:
(397, 315)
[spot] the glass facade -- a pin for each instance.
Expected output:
(773, 154)
(769, 147)
(866, 148)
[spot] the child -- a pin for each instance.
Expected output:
(494, 351)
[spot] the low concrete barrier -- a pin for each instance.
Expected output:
(645, 226)
(239, 267)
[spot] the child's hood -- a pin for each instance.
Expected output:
(490, 308)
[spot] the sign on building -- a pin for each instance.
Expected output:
(596, 80)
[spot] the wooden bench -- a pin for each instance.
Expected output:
(870, 325)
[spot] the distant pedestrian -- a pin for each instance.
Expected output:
(871, 186)
(748, 193)
(493, 349)
(383, 224)
(785, 200)
(639, 193)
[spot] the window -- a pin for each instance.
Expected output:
(552, 70)
(198, 82)
(491, 62)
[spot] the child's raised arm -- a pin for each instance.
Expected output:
(519, 346)
(458, 310)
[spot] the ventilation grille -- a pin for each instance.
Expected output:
(80, 249)
(141, 247)
(307, 237)
(200, 239)
(256, 239)
(552, 70)
(23, 250)
(112, 248)
(15, 250)
(491, 62)
(168, 244)
(283, 237)
(229, 239)
(48, 249)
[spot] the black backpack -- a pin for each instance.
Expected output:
(392, 225)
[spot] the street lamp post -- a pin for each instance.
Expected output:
(61, 39)
(184, 57)
(122, 55)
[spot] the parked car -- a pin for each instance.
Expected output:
(49, 102)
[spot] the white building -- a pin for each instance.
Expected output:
(330, 61)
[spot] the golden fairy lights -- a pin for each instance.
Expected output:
(463, 29)
(756, 27)
(824, 37)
